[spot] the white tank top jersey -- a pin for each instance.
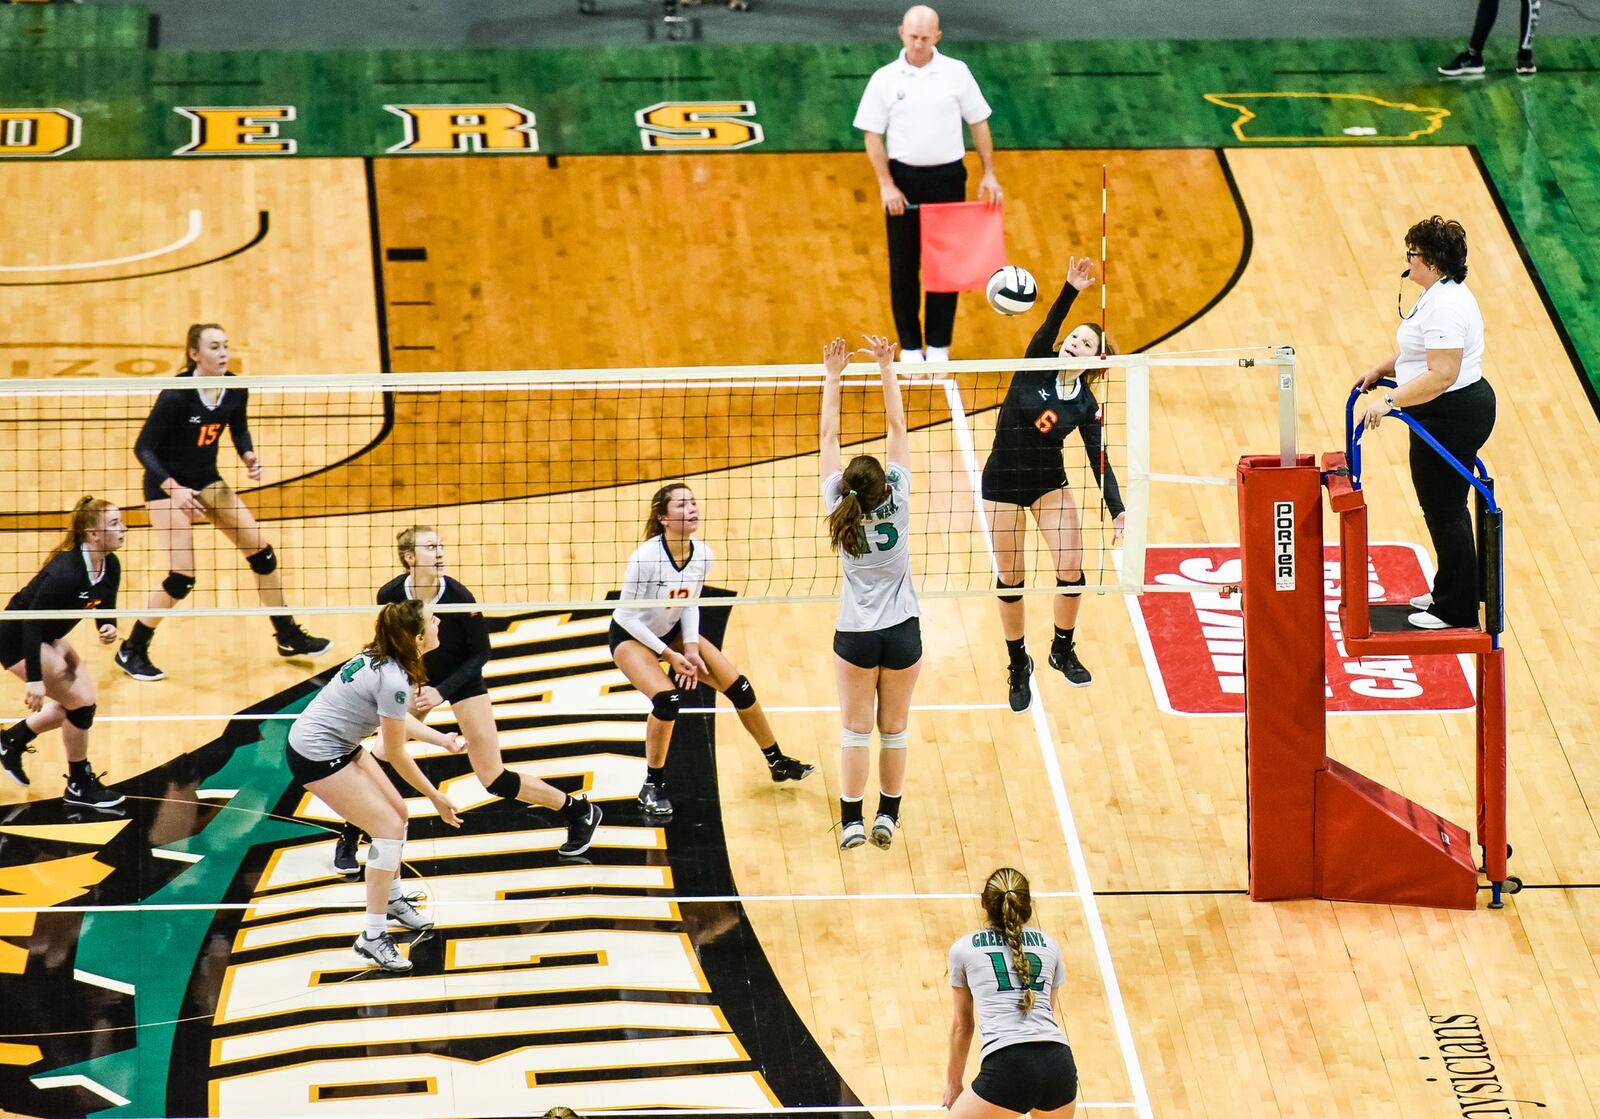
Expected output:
(878, 592)
(652, 574)
(982, 963)
(347, 709)
(1446, 317)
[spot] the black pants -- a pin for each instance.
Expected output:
(1461, 421)
(946, 182)
(1489, 9)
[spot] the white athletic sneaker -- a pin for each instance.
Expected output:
(403, 910)
(938, 353)
(1422, 602)
(852, 835)
(382, 951)
(883, 831)
(911, 356)
(1425, 620)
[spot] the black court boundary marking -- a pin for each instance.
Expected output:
(1510, 226)
(263, 220)
(1246, 251)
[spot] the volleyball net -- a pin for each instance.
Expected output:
(539, 482)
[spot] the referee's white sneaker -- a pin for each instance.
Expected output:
(938, 353)
(911, 357)
(1422, 602)
(1424, 620)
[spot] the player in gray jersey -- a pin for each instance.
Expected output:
(375, 692)
(877, 643)
(1006, 975)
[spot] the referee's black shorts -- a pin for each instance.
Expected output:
(1028, 1076)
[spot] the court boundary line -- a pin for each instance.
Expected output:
(192, 234)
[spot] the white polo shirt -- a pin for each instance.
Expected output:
(919, 109)
(1446, 317)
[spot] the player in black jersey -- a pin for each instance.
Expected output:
(83, 573)
(1026, 471)
(178, 449)
(455, 676)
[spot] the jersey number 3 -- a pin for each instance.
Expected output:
(888, 537)
(1002, 973)
(208, 435)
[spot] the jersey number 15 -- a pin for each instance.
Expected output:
(1002, 973)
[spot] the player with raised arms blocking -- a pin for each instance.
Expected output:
(877, 643)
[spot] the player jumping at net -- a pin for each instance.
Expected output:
(877, 642)
(672, 564)
(178, 449)
(1009, 973)
(455, 676)
(83, 573)
(376, 691)
(1026, 472)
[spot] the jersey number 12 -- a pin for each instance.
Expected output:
(1002, 973)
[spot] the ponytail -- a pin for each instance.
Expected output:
(85, 517)
(660, 502)
(191, 341)
(1008, 903)
(394, 638)
(866, 488)
(407, 541)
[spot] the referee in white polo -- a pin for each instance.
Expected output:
(1438, 371)
(911, 113)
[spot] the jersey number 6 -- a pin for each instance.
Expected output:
(1002, 973)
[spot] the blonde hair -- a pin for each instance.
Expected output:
(1008, 904)
(85, 518)
(407, 541)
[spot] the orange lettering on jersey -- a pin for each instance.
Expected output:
(444, 129)
(208, 435)
(1046, 421)
(38, 132)
(698, 126)
(678, 592)
(238, 130)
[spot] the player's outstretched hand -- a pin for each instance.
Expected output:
(835, 356)
(1080, 273)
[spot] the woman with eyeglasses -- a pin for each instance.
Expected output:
(1439, 379)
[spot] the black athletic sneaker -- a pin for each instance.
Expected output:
(1525, 62)
(1067, 663)
(382, 951)
(136, 663)
(344, 854)
(296, 642)
(11, 761)
(90, 793)
(1017, 681)
(653, 800)
(1468, 63)
(789, 769)
(580, 832)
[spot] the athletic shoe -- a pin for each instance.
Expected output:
(344, 854)
(937, 353)
(883, 831)
(654, 801)
(1017, 681)
(136, 663)
(90, 793)
(1468, 63)
(1422, 602)
(11, 761)
(1425, 620)
(403, 910)
(789, 769)
(382, 951)
(853, 834)
(580, 833)
(1525, 62)
(296, 642)
(1067, 663)
(910, 357)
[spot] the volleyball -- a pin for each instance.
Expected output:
(1012, 290)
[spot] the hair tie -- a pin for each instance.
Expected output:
(853, 494)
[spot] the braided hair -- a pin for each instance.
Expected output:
(1008, 904)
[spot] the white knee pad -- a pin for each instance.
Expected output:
(385, 854)
(849, 738)
(895, 741)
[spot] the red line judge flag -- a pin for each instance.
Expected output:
(963, 244)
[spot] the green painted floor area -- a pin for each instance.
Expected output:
(1536, 135)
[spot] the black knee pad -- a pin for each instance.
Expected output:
(1001, 584)
(81, 717)
(1078, 582)
(507, 785)
(665, 705)
(264, 562)
(177, 585)
(741, 694)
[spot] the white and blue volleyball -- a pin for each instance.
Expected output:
(1012, 290)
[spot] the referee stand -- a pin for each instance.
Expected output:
(1317, 827)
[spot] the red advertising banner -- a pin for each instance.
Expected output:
(1193, 644)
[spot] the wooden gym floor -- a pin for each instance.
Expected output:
(1194, 996)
